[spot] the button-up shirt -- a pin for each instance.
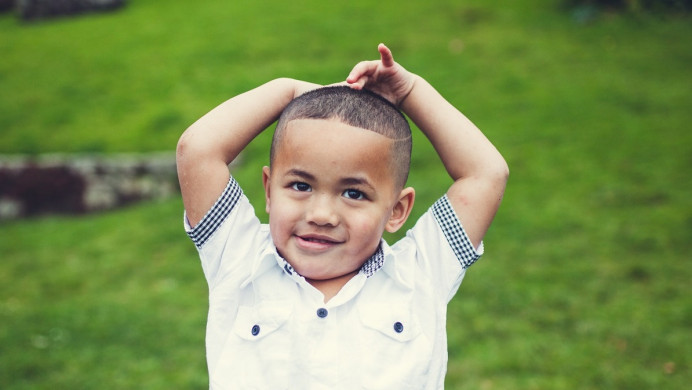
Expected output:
(268, 328)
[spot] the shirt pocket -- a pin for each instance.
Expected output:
(258, 351)
(254, 323)
(393, 321)
(394, 352)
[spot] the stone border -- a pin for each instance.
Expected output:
(41, 9)
(77, 184)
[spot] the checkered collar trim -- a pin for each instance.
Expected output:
(374, 263)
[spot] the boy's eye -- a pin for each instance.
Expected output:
(300, 186)
(354, 194)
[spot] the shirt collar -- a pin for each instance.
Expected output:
(395, 268)
(383, 260)
(268, 259)
(375, 262)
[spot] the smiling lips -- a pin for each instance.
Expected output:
(316, 242)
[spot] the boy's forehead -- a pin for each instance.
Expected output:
(325, 124)
(323, 129)
(334, 137)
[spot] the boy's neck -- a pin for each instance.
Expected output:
(330, 287)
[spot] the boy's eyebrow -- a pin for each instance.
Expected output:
(300, 173)
(355, 181)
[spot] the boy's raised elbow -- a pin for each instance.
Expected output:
(503, 171)
(182, 146)
(495, 169)
(498, 174)
(189, 152)
(187, 147)
(181, 150)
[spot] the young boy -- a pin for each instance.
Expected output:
(316, 299)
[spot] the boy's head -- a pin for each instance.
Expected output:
(339, 163)
(358, 108)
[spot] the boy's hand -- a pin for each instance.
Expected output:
(384, 77)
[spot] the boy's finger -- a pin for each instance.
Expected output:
(358, 83)
(385, 55)
(361, 68)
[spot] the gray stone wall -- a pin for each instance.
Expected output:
(39, 9)
(76, 184)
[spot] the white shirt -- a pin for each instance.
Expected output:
(268, 328)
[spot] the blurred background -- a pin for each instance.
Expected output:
(585, 280)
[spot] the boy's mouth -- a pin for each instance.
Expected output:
(317, 241)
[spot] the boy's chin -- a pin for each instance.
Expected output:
(319, 275)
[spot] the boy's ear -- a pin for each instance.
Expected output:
(266, 173)
(402, 209)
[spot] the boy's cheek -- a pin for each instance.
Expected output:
(369, 224)
(281, 214)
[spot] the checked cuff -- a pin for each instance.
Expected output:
(218, 213)
(456, 236)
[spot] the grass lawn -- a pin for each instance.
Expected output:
(585, 281)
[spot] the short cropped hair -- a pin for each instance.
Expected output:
(358, 108)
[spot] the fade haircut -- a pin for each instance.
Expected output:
(358, 108)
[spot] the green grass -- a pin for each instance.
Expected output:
(585, 284)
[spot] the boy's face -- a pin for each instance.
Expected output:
(330, 195)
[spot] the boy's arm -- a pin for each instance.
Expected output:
(477, 168)
(207, 147)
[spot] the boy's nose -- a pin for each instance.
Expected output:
(321, 211)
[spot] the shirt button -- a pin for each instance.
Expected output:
(398, 327)
(322, 312)
(255, 330)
